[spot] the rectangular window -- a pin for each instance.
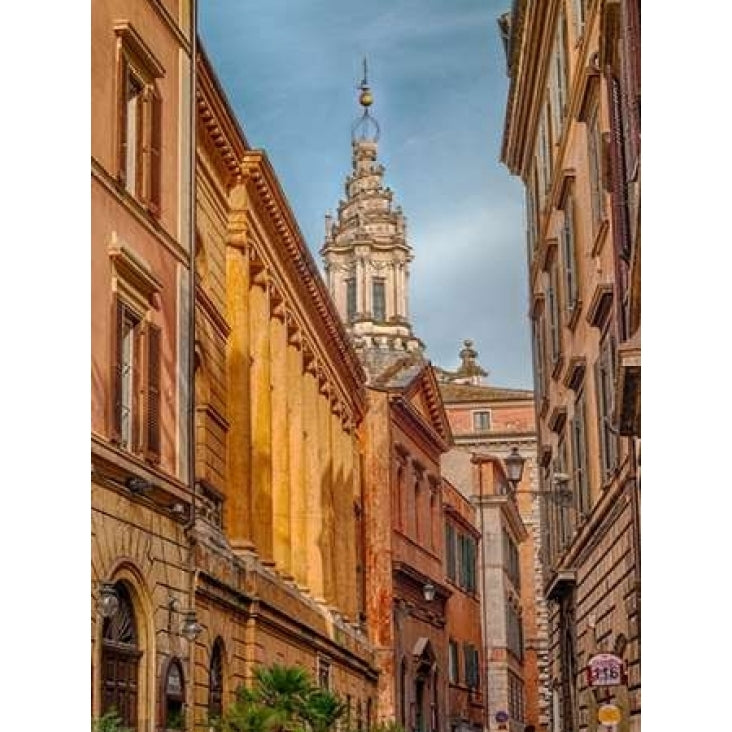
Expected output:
(579, 449)
(594, 143)
(472, 676)
(555, 342)
(539, 357)
(546, 156)
(350, 299)
(139, 121)
(565, 525)
(379, 299)
(136, 383)
(511, 559)
(454, 662)
(560, 59)
(569, 255)
(481, 421)
(531, 216)
(127, 378)
(450, 552)
(604, 384)
(514, 631)
(515, 697)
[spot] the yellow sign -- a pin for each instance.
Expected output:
(608, 714)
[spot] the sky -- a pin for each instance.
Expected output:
(437, 70)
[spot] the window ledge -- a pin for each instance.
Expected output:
(573, 315)
(600, 236)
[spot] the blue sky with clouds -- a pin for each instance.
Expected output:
(437, 70)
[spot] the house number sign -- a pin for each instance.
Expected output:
(605, 669)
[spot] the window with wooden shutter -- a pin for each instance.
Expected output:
(594, 142)
(579, 449)
(554, 322)
(604, 385)
(127, 327)
(450, 551)
(569, 256)
(154, 160)
(153, 394)
(139, 118)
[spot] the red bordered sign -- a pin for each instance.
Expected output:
(606, 669)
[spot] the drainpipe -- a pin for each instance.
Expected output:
(191, 416)
(486, 710)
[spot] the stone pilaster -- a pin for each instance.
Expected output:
(261, 415)
(238, 505)
(281, 523)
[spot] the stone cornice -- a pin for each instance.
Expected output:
(216, 120)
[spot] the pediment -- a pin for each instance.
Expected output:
(423, 395)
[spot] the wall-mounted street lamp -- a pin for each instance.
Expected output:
(108, 600)
(514, 465)
(190, 628)
(514, 468)
(428, 591)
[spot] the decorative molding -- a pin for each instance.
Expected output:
(575, 373)
(599, 307)
(140, 51)
(557, 418)
(130, 267)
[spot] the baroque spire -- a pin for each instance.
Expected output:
(366, 253)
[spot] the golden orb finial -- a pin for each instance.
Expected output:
(366, 99)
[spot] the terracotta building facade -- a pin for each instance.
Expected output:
(572, 136)
(488, 422)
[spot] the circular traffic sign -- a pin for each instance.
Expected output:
(608, 714)
(501, 717)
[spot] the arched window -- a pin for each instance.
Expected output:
(174, 695)
(121, 660)
(216, 680)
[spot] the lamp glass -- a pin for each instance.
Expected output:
(108, 600)
(190, 628)
(429, 592)
(514, 466)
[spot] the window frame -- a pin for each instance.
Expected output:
(136, 62)
(478, 419)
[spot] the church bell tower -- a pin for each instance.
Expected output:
(366, 255)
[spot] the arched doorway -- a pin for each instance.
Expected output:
(121, 660)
